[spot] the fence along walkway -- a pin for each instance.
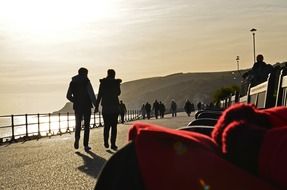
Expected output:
(30, 126)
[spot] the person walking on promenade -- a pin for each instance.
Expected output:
(161, 109)
(123, 111)
(173, 108)
(148, 110)
(109, 91)
(155, 107)
(81, 94)
(143, 111)
(199, 105)
(187, 107)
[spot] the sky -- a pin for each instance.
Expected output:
(44, 42)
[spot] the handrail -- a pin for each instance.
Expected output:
(28, 126)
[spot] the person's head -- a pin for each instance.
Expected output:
(260, 58)
(83, 71)
(111, 73)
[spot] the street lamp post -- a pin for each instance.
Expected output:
(237, 61)
(253, 30)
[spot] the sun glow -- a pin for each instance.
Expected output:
(46, 19)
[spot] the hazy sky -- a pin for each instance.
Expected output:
(44, 42)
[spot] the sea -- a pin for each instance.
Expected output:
(42, 124)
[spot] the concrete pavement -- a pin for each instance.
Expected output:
(53, 163)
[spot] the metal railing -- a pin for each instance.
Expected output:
(34, 126)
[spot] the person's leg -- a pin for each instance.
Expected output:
(122, 117)
(78, 119)
(87, 118)
(107, 125)
(114, 131)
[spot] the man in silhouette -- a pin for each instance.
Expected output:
(109, 91)
(143, 111)
(173, 108)
(123, 111)
(259, 72)
(155, 107)
(199, 106)
(187, 107)
(82, 95)
(148, 110)
(161, 109)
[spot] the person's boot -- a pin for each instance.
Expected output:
(106, 144)
(114, 147)
(87, 148)
(76, 144)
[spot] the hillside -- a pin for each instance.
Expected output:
(180, 86)
(194, 86)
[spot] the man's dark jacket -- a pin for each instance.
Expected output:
(109, 91)
(81, 93)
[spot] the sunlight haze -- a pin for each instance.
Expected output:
(43, 43)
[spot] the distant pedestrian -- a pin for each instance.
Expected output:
(82, 95)
(173, 108)
(199, 106)
(143, 111)
(155, 107)
(259, 72)
(148, 110)
(109, 91)
(123, 111)
(192, 107)
(187, 107)
(161, 109)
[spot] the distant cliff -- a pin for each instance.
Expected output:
(180, 86)
(68, 107)
(197, 87)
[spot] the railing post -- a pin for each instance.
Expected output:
(26, 125)
(94, 120)
(100, 123)
(68, 123)
(38, 120)
(12, 125)
(59, 115)
(135, 114)
(49, 117)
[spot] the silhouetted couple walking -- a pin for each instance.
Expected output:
(82, 95)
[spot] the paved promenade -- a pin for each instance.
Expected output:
(53, 163)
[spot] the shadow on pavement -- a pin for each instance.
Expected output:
(93, 163)
(109, 151)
